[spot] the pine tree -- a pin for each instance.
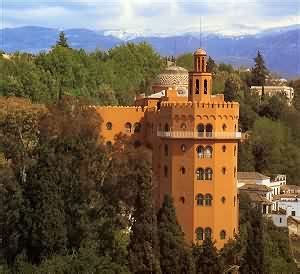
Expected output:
(259, 72)
(62, 41)
(232, 87)
(211, 65)
(175, 256)
(253, 259)
(143, 251)
(206, 258)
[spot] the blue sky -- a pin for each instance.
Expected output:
(167, 16)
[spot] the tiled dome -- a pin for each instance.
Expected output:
(200, 52)
(172, 76)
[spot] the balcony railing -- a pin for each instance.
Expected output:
(199, 135)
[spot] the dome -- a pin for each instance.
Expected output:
(200, 52)
(172, 76)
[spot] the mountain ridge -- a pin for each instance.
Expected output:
(277, 44)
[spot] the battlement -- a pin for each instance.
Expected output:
(224, 105)
(121, 108)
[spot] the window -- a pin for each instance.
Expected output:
(137, 127)
(200, 200)
(199, 233)
(166, 171)
(182, 169)
(223, 235)
(128, 127)
(207, 232)
(205, 86)
(200, 129)
(223, 200)
(203, 64)
(167, 127)
(182, 199)
(224, 148)
(183, 126)
(166, 149)
(208, 173)
(208, 200)
(190, 86)
(224, 127)
(200, 173)
(183, 148)
(200, 151)
(208, 152)
(280, 220)
(293, 213)
(109, 126)
(197, 86)
(234, 200)
(198, 64)
(224, 170)
(234, 152)
(234, 172)
(209, 129)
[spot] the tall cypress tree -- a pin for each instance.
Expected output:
(253, 259)
(206, 258)
(62, 41)
(175, 256)
(259, 72)
(143, 251)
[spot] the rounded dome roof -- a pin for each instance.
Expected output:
(200, 52)
(172, 76)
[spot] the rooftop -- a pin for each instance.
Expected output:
(255, 187)
(251, 176)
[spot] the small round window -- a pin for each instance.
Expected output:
(109, 125)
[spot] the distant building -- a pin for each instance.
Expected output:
(290, 189)
(286, 91)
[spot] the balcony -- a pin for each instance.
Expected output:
(198, 135)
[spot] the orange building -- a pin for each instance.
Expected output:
(194, 138)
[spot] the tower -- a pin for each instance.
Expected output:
(199, 79)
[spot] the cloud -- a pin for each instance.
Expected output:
(160, 16)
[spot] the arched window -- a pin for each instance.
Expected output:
(224, 148)
(199, 233)
(223, 200)
(200, 173)
(223, 170)
(166, 171)
(197, 86)
(205, 86)
(109, 126)
(190, 86)
(182, 169)
(208, 199)
(209, 129)
(183, 126)
(198, 64)
(223, 235)
(182, 199)
(234, 127)
(183, 148)
(234, 172)
(167, 127)
(208, 152)
(200, 199)
(234, 152)
(207, 233)
(166, 149)
(203, 64)
(200, 129)
(128, 127)
(137, 127)
(200, 151)
(224, 127)
(208, 173)
(234, 200)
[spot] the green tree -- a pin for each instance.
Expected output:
(186, 61)
(175, 256)
(253, 259)
(206, 258)
(272, 108)
(62, 40)
(232, 88)
(143, 250)
(211, 66)
(259, 72)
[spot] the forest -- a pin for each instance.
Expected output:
(71, 204)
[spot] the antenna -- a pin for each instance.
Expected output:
(200, 33)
